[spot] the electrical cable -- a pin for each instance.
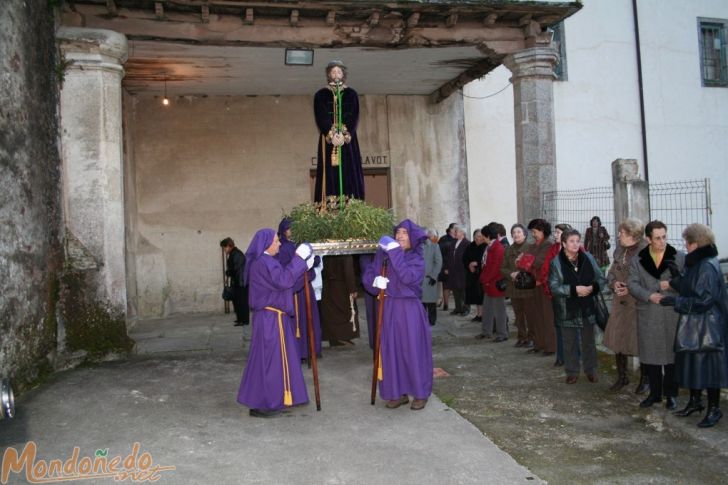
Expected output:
(488, 96)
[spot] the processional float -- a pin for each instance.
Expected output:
(337, 225)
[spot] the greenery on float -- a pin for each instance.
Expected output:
(357, 220)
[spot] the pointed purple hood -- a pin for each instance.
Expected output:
(282, 228)
(260, 242)
(417, 235)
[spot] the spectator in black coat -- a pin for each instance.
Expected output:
(235, 268)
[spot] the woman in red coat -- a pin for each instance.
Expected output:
(494, 306)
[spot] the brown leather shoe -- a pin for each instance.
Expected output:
(394, 404)
(592, 378)
(571, 379)
(418, 404)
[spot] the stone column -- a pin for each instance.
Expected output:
(92, 155)
(631, 199)
(533, 98)
(631, 192)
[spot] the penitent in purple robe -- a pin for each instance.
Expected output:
(406, 345)
(352, 175)
(299, 318)
(267, 374)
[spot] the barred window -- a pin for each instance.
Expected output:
(713, 56)
(560, 45)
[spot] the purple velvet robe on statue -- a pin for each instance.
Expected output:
(406, 343)
(353, 176)
(299, 319)
(271, 285)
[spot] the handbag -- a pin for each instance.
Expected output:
(501, 284)
(601, 312)
(524, 281)
(227, 293)
(699, 332)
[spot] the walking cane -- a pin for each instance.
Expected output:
(311, 344)
(224, 283)
(378, 337)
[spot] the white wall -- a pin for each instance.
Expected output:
(597, 108)
(687, 124)
(491, 150)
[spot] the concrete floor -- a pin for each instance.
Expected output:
(500, 413)
(176, 397)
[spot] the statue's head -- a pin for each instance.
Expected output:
(335, 70)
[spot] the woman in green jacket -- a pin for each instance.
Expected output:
(575, 280)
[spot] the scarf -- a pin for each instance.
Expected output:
(649, 264)
(583, 275)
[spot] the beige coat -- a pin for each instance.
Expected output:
(621, 333)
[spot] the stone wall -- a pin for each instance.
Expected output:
(30, 208)
(202, 169)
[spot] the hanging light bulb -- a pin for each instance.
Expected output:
(165, 101)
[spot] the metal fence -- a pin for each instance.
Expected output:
(677, 204)
(577, 207)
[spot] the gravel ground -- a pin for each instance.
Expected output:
(582, 433)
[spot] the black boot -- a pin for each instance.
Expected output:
(713, 415)
(695, 404)
(622, 379)
(711, 418)
(644, 384)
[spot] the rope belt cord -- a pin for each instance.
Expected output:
(298, 326)
(380, 372)
(287, 395)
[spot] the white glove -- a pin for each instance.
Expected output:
(380, 282)
(309, 263)
(304, 251)
(387, 243)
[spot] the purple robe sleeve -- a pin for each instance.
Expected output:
(371, 271)
(299, 283)
(410, 271)
(350, 107)
(322, 110)
(284, 278)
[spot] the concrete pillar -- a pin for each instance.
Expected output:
(92, 155)
(631, 199)
(533, 99)
(631, 192)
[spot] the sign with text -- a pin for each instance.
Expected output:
(367, 161)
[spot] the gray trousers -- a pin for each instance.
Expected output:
(570, 336)
(494, 310)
